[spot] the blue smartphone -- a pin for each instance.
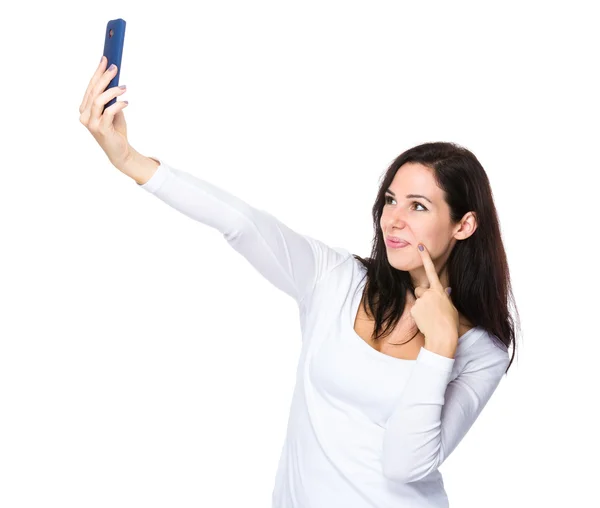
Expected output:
(113, 51)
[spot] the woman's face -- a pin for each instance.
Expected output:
(416, 212)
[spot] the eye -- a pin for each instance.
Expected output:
(414, 203)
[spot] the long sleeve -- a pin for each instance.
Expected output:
(292, 262)
(434, 413)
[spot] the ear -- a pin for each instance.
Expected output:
(466, 227)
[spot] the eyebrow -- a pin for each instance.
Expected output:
(411, 196)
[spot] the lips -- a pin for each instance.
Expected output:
(395, 242)
(398, 240)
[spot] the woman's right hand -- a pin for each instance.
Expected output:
(109, 127)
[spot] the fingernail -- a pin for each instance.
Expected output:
(449, 290)
(112, 67)
(420, 247)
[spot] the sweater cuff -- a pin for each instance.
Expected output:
(426, 385)
(440, 362)
(158, 178)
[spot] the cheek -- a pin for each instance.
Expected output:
(431, 235)
(437, 239)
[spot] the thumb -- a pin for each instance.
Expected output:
(119, 123)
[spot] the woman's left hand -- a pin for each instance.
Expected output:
(433, 312)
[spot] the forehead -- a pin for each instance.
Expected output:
(415, 178)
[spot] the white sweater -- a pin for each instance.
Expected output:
(365, 430)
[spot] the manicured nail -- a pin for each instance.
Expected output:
(420, 247)
(449, 290)
(112, 67)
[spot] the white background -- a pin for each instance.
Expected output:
(145, 363)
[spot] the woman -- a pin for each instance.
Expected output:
(400, 351)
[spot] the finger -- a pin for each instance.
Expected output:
(86, 97)
(99, 92)
(109, 114)
(419, 291)
(432, 276)
(97, 121)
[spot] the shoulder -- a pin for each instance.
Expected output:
(334, 273)
(482, 350)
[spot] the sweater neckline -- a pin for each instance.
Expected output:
(354, 304)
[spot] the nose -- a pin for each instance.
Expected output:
(396, 222)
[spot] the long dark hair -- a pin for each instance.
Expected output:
(477, 266)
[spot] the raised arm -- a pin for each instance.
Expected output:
(289, 260)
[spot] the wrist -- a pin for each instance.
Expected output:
(444, 346)
(441, 350)
(139, 167)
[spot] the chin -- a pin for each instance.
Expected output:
(405, 266)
